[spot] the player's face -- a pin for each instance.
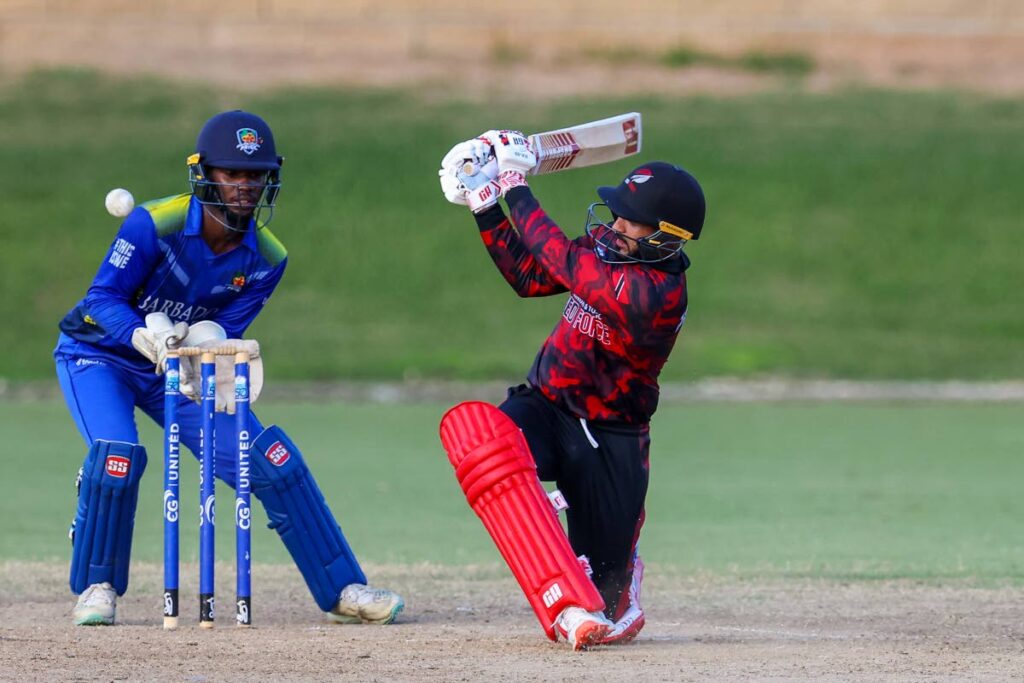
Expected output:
(636, 231)
(239, 190)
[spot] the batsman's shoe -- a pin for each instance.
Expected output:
(629, 618)
(582, 628)
(96, 606)
(360, 604)
(625, 629)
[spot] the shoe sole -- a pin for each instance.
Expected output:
(590, 634)
(346, 619)
(94, 620)
(343, 618)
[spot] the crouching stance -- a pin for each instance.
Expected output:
(582, 420)
(195, 268)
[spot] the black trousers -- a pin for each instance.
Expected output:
(602, 470)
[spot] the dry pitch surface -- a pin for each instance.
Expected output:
(475, 626)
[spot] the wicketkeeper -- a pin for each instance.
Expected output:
(194, 268)
(582, 419)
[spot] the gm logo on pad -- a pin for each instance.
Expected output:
(117, 466)
(552, 595)
(278, 454)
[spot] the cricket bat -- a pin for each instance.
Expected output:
(586, 144)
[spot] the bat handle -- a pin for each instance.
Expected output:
(470, 169)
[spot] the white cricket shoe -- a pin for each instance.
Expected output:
(582, 628)
(631, 620)
(361, 604)
(96, 606)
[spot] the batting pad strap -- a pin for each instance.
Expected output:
(105, 517)
(299, 513)
(499, 477)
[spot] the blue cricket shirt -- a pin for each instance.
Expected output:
(159, 261)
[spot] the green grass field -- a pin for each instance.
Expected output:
(853, 234)
(838, 490)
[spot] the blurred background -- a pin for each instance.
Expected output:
(862, 164)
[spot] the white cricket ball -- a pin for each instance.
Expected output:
(120, 202)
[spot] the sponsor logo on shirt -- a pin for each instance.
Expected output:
(585, 320)
(176, 310)
(121, 253)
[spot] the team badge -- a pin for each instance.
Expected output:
(641, 176)
(248, 140)
(237, 282)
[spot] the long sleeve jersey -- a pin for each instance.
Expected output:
(159, 261)
(602, 360)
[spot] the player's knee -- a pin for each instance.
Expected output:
(484, 446)
(279, 458)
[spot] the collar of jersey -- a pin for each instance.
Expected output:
(195, 221)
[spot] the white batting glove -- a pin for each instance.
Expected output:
(153, 340)
(515, 157)
(512, 149)
(476, 150)
(468, 173)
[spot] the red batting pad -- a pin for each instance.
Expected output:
(493, 464)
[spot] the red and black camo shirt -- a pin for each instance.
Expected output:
(601, 362)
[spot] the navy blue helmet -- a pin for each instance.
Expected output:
(656, 194)
(236, 140)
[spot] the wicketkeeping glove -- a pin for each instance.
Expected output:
(209, 334)
(152, 340)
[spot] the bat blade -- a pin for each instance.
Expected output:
(587, 144)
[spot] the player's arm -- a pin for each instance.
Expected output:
(554, 253)
(516, 263)
(236, 317)
(129, 261)
(571, 264)
(480, 193)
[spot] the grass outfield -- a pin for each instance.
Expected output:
(825, 490)
(855, 234)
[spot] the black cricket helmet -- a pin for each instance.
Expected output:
(236, 140)
(657, 194)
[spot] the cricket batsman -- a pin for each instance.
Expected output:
(582, 419)
(192, 268)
